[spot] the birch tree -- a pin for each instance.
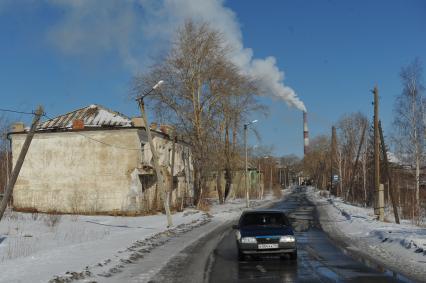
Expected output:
(409, 121)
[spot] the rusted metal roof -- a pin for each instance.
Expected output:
(93, 116)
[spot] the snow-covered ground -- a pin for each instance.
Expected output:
(42, 248)
(402, 248)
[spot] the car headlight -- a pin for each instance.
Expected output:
(248, 240)
(287, 239)
(238, 235)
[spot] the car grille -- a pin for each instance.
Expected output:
(272, 240)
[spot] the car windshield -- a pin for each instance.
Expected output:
(264, 219)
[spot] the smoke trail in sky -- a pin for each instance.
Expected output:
(135, 30)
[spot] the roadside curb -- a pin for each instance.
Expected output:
(362, 253)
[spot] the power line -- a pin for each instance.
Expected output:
(16, 111)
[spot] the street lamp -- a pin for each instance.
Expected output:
(246, 171)
(157, 85)
(160, 181)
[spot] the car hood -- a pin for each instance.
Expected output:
(252, 231)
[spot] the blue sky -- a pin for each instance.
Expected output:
(332, 54)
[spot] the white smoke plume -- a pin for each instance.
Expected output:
(134, 28)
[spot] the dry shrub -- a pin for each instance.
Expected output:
(18, 247)
(52, 220)
(204, 205)
(75, 202)
(34, 216)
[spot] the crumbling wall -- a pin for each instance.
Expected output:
(76, 172)
(93, 172)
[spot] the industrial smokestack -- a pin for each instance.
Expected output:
(305, 133)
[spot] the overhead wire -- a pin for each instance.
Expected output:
(16, 111)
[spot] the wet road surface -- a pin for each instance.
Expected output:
(319, 259)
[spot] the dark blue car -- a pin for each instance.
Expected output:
(265, 232)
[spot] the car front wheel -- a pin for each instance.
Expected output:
(241, 256)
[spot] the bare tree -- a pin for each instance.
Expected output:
(409, 123)
(315, 162)
(351, 134)
(205, 97)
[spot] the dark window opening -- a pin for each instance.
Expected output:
(175, 182)
(147, 181)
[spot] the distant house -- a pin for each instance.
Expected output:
(255, 182)
(94, 160)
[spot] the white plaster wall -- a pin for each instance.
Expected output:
(70, 172)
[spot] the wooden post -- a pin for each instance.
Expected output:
(379, 207)
(15, 173)
(388, 175)
(332, 157)
(160, 179)
(246, 171)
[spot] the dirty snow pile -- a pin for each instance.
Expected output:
(400, 247)
(54, 248)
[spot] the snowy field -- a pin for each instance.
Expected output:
(52, 248)
(400, 247)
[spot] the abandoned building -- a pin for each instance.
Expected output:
(94, 160)
(255, 182)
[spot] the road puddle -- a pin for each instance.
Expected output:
(302, 218)
(271, 268)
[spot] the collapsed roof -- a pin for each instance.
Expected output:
(93, 116)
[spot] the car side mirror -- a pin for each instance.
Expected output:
(235, 226)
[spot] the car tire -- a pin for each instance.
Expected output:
(293, 255)
(241, 256)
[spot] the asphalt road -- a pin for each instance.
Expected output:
(214, 257)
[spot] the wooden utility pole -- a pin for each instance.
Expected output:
(160, 178)
(388, 174)
(246, 165)
(379, 207)
(332, 156)
(15, 173)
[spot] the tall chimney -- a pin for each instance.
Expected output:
(305, 133)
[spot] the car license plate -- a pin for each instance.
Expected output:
(267, 246)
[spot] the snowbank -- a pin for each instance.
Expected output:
(400, 247)
(39, 248)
